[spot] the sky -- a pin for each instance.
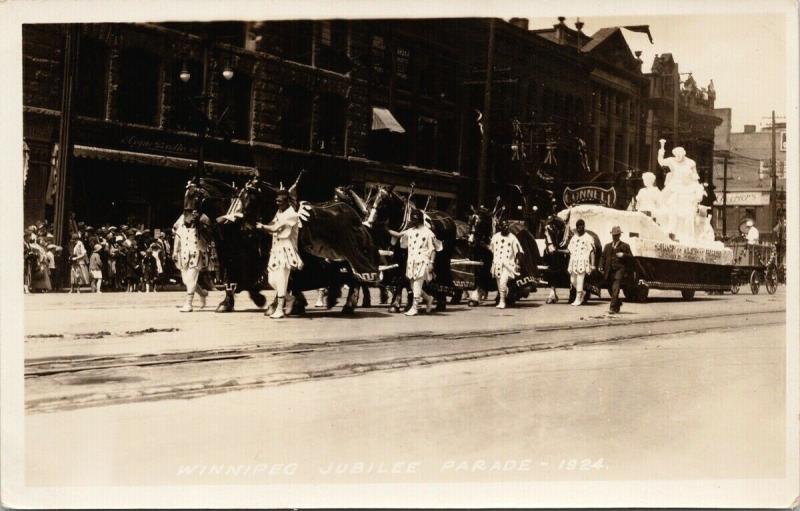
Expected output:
(745, 55)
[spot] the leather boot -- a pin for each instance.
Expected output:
(279, 309)
(187, 305)
(501, 304)
(413, 311)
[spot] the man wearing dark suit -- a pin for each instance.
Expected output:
(616, 257)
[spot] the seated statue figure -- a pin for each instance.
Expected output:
(648, 200)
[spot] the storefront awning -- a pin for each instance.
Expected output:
(382, 119)
(102, 153)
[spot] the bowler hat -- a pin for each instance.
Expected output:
(616, 230)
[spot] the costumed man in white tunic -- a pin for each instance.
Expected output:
(191, 254)
(505, 249)
(422, 246)
(682, 192)
(648, 200)
(283, 257)
(581, 259)
(752, 233)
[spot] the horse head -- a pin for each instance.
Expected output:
(556, 233)
(387, 208)
(256, 201)
(481, 226)
(206, 194)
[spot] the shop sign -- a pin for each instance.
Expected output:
(590, 195)
(744, 199)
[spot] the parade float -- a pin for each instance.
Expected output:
(668, 230)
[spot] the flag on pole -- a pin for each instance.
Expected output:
(643, 29)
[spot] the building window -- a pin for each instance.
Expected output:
(186, 105)
(378, 60)
(579, 111)
(234, 103)
(427, 81)
(229, 32)
(90, 91)
(296, 117)
(138, 92)
(447, 153)
(332, 121)
(297, 36)
(402, 63)
(426, 142)
(333, 46)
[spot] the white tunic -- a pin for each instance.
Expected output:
(581, 253)
(422, 246)
(286, 227)
(505, 250)
(190, 247)
(752, 236)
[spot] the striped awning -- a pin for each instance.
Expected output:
(102, 153)
(382, 119)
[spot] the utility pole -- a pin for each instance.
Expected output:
(676, 94)
(773, 192)
(725, 196)
(483, 165)
(71, 49)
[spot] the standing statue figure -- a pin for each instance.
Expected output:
(682, 193)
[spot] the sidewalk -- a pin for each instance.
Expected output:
(121, 324)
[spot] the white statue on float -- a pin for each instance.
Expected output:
(681, 198)
(648, 200)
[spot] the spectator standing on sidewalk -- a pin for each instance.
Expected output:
(96, 268)
(79, 272)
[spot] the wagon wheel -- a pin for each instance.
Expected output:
(755, 282)
(771, 281)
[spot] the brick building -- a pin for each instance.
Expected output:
(749, 181)
(359, 102)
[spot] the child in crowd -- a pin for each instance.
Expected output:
(96, 268)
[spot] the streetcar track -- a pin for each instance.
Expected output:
(193, 389)
(66, 365)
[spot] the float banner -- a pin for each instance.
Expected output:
(680, 252)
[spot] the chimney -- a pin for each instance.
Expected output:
(749, 128)
(519, 23)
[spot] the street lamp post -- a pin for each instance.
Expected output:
(203, 108)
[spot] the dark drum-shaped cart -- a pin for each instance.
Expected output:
(753, 264)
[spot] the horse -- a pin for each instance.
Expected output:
(242, 258)
(483, 225)
(391, 211)
(335, 247)
(556, 257)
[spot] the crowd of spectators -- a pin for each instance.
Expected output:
(105, 258)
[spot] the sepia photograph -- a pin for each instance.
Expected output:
(398, 256)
